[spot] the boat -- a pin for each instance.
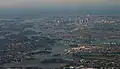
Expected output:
(56, 60)
(39, 52)
(29, 58)
(56, 54)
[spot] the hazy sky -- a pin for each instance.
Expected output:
(44, 3)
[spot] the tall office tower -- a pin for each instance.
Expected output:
(78, 19)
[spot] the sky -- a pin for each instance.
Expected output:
(30, 6)
(53, 3)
